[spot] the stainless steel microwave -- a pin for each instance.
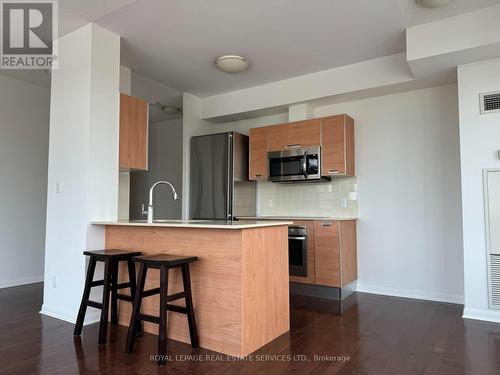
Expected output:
(297, 164)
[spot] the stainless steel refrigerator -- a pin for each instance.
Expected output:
(219, 185)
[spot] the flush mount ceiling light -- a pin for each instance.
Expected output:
(433, 3)
(170, 109)
(232, 63)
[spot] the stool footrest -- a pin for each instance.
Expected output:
(123, 285)
(96, 283)
(94, 304)
(124, 297)
(179, 309)
(176, 296)
(149, 318)
(150, 292)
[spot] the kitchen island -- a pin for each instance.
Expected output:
(239, 283)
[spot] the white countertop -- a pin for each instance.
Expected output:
(206, 224)
(297, 218)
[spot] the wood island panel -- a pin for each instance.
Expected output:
(227, 283)
(264, 280)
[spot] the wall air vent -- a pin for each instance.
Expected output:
(495, 281)
(490, 102)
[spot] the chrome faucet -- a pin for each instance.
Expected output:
(150, 211)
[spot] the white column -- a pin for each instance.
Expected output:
(124, 179)
(83, 162)
(299, 112)
(479, 143)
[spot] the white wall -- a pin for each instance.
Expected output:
(407, 163)
(479, 142)
(164, 163)
(191, 125)
(24, 142)
(83, 158)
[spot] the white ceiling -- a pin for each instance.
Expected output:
(175, 42)
(155, 92)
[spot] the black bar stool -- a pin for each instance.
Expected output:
(111, 259)
(163, 262)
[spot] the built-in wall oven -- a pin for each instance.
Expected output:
(295, 164)
(297, 250)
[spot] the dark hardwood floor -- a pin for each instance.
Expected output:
(378, 335)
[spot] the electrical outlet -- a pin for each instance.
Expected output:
(58, 187)
(54, 283)
(343, 203)
(270, 203)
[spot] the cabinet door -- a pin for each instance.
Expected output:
(303, 134)
(258, 154)
(337, 150)
(348, 250)
(133, 133)
(310, 279)
(276, 137)
(333, 147)
(327, 253)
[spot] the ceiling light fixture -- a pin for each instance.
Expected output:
(232, 63)
(170, 109)
(433, 3)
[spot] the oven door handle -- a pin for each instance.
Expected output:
(304, 165)
(297, 238)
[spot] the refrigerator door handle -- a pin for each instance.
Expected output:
(230, 186)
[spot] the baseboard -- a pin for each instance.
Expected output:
(487, 315)
(409, 293)
(21, 281)
(92, 316)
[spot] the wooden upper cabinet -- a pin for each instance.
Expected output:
(295, 134)
(276, 137)
(327, 253)
(335, 135)
(337, 150)
(258, 154)
(133, 133)
(303, 134)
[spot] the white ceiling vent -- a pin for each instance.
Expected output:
(490, 102)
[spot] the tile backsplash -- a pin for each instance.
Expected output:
(321, 199)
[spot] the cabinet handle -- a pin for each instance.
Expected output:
(326, 224)
(333, 171)
(295, 145)
(258, 175)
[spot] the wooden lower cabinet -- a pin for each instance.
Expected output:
(331, 252)
(335, 252)
(327, 251)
